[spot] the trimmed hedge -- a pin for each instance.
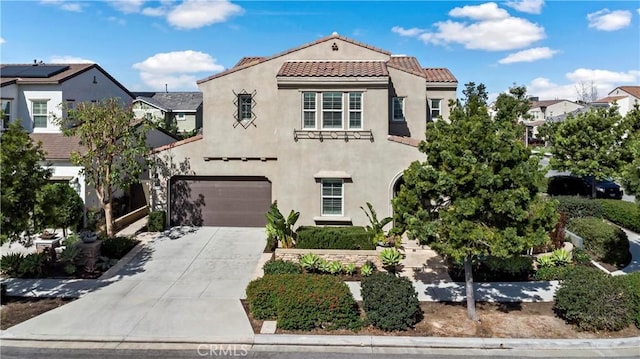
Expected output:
(281, 267)
(575, 207)
(334, 238)
(605, 242)
(624, 214)
(631, 284)
(551, 273)
(593, 300)
(117, 247)
(390, 302)
(303, 302)
(156, 221)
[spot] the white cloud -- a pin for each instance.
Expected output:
(529, 55)
(176, 69)
(2, 40)
(192, 14)
(486, 11)
(603, 80)
(66, 59)
(154, 11)
(117, 20)
(414, 31)
(528, 6)
(65, 5)
(127, 6)
(607, 20)
(493, 35)
(491, 29)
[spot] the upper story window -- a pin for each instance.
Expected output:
(309, 110)
(337, 110)
(180, 116)
(6, 113)
(39, 112)
(397, 109)
(244, 107)
(435, 108)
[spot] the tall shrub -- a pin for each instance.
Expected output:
(390, 302)
(59, 206)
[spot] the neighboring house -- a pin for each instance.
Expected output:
(624, 96)
(34, 93)
(182, 108)
(322, 128)
(546, 110)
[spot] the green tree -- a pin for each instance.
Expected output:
(21, 176)
(477, 192)
(589, 144)
(59, 206)
(631, 171)
(114, 152)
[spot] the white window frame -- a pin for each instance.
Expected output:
(393, 109)
(323, 196)
(180, 116)
(6, 119)
(433, 110)
(354, 110)
(46, 112)
(341, 111)
(313, 111)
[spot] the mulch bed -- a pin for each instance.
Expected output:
(16, 310)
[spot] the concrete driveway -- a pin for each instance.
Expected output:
(183, 286)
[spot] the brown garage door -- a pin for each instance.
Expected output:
(220, 201)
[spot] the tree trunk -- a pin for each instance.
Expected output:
(108, 217)
(593, 187)
(471, 300)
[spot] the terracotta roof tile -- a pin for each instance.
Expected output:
(57, 146)
(633, 90)
(248, 60)
(439, 74)
(176, 144)
(319, 41)
(406, 63)
(545, 103)
(333, 69)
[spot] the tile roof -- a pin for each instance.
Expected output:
(177, 143)
(58, 78)
(406, 63)
(633, 90)
(175, 101)
(257, 60)
(57, 146)
(545, 103)
(333, 69)
(247, 60)
(609, 99)
(439, 74)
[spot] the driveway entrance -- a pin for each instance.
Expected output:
(183, 286)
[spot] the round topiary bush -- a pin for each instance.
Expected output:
(390, 302)
(593, 300)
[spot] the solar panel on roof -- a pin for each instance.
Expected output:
(32, 71)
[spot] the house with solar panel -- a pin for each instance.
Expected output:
(33, 93)
(322, 128)
(183, 110)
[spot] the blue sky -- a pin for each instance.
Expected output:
(549, 46)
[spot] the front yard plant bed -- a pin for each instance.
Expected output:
(498, 320)
(16, 310)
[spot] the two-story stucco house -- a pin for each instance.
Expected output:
(546, 110)
(182, 108)
(322, 128)
(34, 93)
(624, 96)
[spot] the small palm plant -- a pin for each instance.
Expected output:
(281, 228)
(390, 258)
(377, 226)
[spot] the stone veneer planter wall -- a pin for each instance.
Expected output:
(344, 256)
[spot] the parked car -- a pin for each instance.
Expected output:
(581, 186)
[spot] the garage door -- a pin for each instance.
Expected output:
(219, 201)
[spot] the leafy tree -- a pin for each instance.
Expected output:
(114, 149)
(589, 144)
(21, 176)
(631, 171)
(476, 194)
(59, 206)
